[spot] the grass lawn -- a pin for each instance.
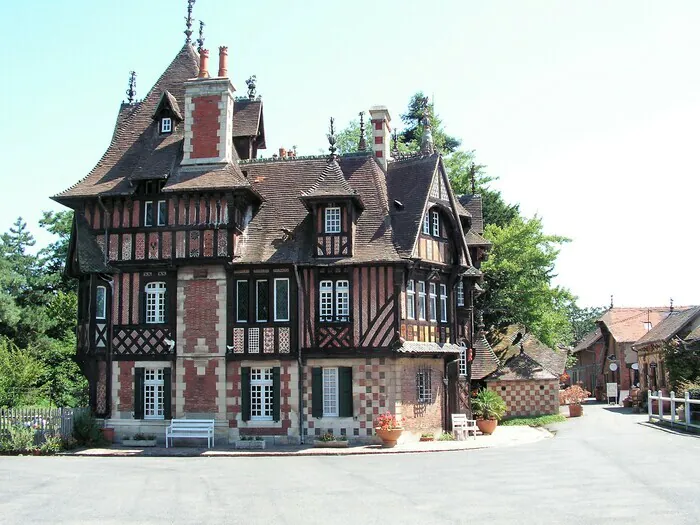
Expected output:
(534, 421)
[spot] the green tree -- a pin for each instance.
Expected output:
(348, 139)
(53, 257)
(20, 376)
(583, 320)
(413, 128)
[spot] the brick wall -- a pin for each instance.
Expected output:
(528, 398)
(205, 127)
(420, 416)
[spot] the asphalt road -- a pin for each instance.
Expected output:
(602, 468)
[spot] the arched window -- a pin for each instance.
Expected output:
(155, 302)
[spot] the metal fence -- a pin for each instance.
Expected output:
(45, 421)
(683, 417)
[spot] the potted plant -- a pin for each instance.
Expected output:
(488, 408)
(574, 396)
(388, 429)
(328, 440)
(250, 443)
(140, 440)
(427, 436)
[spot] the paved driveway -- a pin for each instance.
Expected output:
(600, 469)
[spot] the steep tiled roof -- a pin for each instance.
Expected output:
(485, 361)
(588, 340)
(247, 117)
(506, 343)
(169, 101)
(282, 182)
(666, 329)
(414, 347)
(330, 183)
(408, 181)
(135, 134)
(91, 258)
(474, 239)
(473, 204)
(693, 336)
(627, 325)
(521, 367)
(207, 178)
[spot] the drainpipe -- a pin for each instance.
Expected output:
(104, 214)
(108, 383)
(300, 329)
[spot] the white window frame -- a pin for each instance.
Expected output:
(436, 224)
(261, 381)
(424, 387)
(101, 314)
(153, 393)
(166, 125)
(146, 206)
(161, 219)
(462, 359)
(331, 402)
(332, 219)
(238, 293)
(432, 292)
(648, 326)
(460, 293)
(257, 299)
(155, 302)
(421, 300)
(426, 223)
(410, 300)
(443, 303)
(342, 300)
(325, 302)
(280, 279)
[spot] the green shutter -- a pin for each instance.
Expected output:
(276, 393)
(245, 393)
(138, 392)
(345, 391)
(316, 392)
(167, 393)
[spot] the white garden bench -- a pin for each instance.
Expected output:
(190, 428)
(462, 427)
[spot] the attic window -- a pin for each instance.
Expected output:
(166, 125)
(332, 220)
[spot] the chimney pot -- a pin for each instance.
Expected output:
(223, 61)
(204, 64)
(283, 153)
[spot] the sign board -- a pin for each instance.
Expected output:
(613, 367)
(611, 392)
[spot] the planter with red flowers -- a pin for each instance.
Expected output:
(388, 429)
(574, 396)
(488, 408)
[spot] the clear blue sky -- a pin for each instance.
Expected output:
(587, 111)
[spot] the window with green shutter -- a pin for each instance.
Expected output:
(316, 392)
(138, 392)
(345, 391)
(245, 393)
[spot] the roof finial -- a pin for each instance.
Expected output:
(362, 146)
(200, 40)
(188, 21)
(611, 301)
(131, 92)
(332, 140)
(426, 143)
(395, 144)
(251, 83)
(472, 174)
(671, 307)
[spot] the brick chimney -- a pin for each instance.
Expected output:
(381, 133)
(209, 115)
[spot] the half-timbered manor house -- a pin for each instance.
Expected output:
(284, 297)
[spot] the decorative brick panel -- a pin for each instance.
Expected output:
(528, 398)
(200, 385)
(205, 127)
(126, 385)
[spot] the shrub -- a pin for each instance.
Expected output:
(69, 443)
(534, 421)
(86, 431)
(446, 436)
(51, 445)
(574, 395)
(143, 437)
(488, 405)
(18, 439)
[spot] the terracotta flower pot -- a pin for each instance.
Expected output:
(389, 437)
(108, 434)
(487, 426)
(575, 410)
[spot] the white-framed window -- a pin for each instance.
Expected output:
(162, 213)
(647, 326)
(155, 302)
(436, 224)
(326, 300)
(333, 220)
(426, 223)
(443, 303)
(282, 299)
(421, 300)
(433, 302)
(463, 359)
(101, 302)
(410, 300)
(330, 392)
(148, 213)
(153, 393)
(262, 300)
(242, 298)
(166, 125)
(261, 394)
(424, 391)
(342, 300)
(460, 293)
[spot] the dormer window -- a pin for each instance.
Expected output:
(436, 224)
(426, 223)
(166, 125)
(332, 220)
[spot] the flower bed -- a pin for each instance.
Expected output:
(250, 443)
(328, 440)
